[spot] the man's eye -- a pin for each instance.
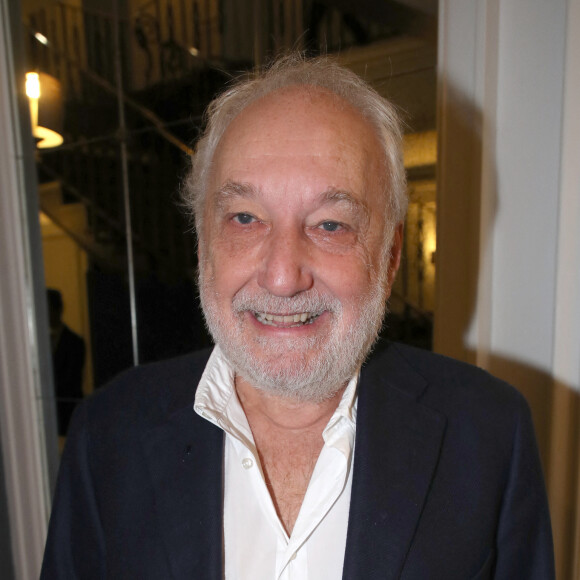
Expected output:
(244, 218)
(330, 226)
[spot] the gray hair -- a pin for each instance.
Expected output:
(290, 70)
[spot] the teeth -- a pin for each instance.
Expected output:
(295, 319)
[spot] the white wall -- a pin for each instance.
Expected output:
(527, 162)
(508, 251)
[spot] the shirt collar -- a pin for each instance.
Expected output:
(217, 402)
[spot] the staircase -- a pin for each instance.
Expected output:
(86, 171)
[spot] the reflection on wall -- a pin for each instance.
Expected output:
(413, 297)
(65, 269)
(420, 247)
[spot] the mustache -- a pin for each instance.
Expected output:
(312, 301)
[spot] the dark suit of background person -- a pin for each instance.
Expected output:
(447, 482)
(68, 359)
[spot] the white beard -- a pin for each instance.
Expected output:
(306, 369)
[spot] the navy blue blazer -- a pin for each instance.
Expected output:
(447, 482)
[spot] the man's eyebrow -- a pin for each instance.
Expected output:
(341, 196)
(233, 189)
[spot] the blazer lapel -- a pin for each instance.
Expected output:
(397, 449)
(184, 456)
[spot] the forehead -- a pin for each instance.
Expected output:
(295, 132)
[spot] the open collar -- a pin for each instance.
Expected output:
(398, 441)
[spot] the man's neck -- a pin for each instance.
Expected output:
(288, 438)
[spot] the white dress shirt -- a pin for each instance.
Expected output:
(256, 546)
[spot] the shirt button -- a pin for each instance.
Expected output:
(293, 557)
(247, 463)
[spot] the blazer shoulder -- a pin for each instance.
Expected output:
(147, 393)
(446, 383)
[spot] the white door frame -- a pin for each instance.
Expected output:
(27, 415)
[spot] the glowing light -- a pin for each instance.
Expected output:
(194, 51)
(41, 38)
(46, 137)
(32, 85)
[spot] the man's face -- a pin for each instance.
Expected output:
(292, 278)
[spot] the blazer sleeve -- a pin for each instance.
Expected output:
(75, 546)
(524, 537)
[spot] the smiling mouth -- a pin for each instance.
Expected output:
(288, 320)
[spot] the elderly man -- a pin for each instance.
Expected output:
(282, 454)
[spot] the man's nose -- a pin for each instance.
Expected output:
(286, 265)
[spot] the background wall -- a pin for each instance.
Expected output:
(508, 251)
(65, 269)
